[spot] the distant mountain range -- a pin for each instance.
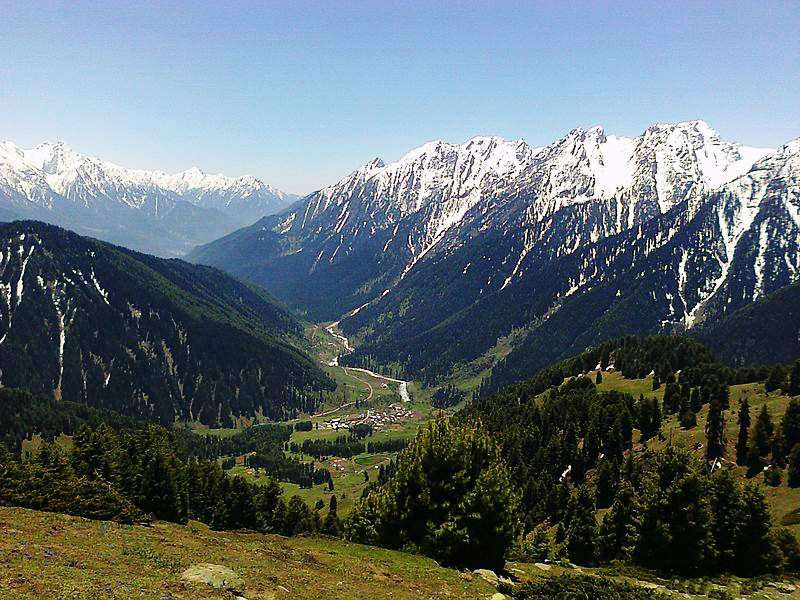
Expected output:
(151, 211)
(96, 324)
(429, 260)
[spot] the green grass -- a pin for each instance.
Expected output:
(225, 432)
(634, 387)
(46, 556)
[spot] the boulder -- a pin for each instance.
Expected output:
(487, 575)
(783, 587)
(217, 576)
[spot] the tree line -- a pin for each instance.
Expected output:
(136, 475)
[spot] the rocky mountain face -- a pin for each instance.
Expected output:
(147, 337)
(429, 260)
(152, 211)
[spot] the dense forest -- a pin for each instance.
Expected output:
(554, 450)
(25, 414)
(146, 337)
(135, 475)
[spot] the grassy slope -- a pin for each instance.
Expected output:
(782, 499)
(46, 555)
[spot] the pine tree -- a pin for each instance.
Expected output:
(776, 379)
(756, 553)
(221, 516)
(726, 504)
(793, 384)
(695, 400)
(657, 416)
(606, 476)
(715, 431)
(330, 525)
(778, 449)
(790, 424)
(744, 432)
(793, 474)
(581, 538)
(671, 398)
(691, 546)
(688, 418)
(645, 417)
(619, 530)
(656, 382)
(450, 496)
(760, 442)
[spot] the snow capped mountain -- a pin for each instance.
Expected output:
(437, 183)
(60, 185)
(410, 254)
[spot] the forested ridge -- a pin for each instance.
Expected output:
(558, 449)
(147, 337)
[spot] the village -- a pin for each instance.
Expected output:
(378, 419)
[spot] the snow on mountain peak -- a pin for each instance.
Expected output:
(53, 169)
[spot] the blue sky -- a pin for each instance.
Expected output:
(300, 93)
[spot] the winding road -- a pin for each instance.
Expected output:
(402, 386)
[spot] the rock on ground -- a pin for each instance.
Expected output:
(487, 575)
(217, 576)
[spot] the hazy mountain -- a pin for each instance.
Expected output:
(152, 211)
(93, 323)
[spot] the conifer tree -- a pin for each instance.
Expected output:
(715, 431)
(760, 441)
(619, 530)
(656, 415)
(793, 475)
(688, 418)
(645, 419)
(727, 506)
(671, 398)
(756, 553)
(450, 497)
(581, 540)
(330, 525)
(793, 383)
(790, 424)
(744, 432)
(656, 382)
(776, 379)
(695, 400)
(606, 475)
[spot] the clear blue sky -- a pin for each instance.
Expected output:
(300, 93)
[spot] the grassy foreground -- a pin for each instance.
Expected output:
(46, 555)
(54, 556)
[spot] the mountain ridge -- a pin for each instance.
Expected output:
(401, 253)
(54, 183)
(147, 337)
